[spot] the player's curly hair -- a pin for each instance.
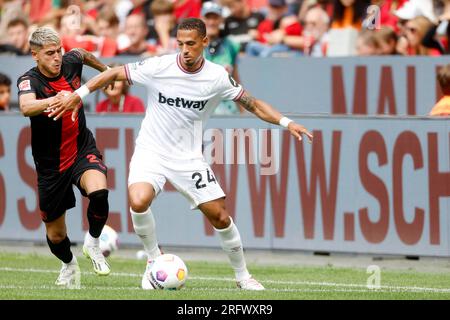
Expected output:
(193, 24)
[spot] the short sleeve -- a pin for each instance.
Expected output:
(229, 88)
(74, 57)
(25, 85)
(142, 71)
(72, 64)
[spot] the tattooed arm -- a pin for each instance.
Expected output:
(266, 112)
(90, 60)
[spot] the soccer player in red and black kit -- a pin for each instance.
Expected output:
(64, 151)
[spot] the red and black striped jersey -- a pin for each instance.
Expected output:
(56, 144)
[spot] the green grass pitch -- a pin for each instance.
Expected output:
(32, 276)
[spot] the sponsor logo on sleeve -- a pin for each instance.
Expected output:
(25, 85)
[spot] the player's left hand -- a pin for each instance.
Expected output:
(67, 102)
(298, 130)
(56, 100)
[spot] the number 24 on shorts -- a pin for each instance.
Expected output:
(198, 177)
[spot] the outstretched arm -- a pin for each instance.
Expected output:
(266, 112)
(72, 101)
(30, 106)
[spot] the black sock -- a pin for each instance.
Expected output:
(61, 250)
(97, 211)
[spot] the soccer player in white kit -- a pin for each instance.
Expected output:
(183, 90)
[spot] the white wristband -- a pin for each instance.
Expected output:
(82, 91)
(285, 122)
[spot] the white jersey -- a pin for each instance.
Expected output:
(178, 103)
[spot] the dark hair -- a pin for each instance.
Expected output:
(4, 80)
(359, 10)
(443, 77)
(17, 21)
(193, 24)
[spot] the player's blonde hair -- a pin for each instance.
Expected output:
(42, 36)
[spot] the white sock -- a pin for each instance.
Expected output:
(73, 261)
(90, 241)
(232, 245)
(144, 226)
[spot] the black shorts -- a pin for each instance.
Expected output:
(55, 190)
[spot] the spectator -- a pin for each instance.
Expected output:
(415, 8)
(119, 7)
(416, 30)
(410, 10)
(17, 31)
(142, 7)
(165, 26)
(136, 30)
(108, 27)
(221, 50)
(442, 108)
(387, 40)
(5, 92)
(367, 43)
(326, 5)
(314, 40)
(9, 10)
(273, 30)
(349, 13)
(73, 28)
(242, 23)
(119, 100)
(107, 23)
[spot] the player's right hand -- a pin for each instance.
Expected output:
(298, 130)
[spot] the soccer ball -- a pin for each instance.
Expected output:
(108, 241)
(168, 272)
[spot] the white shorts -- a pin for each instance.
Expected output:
(192, 178)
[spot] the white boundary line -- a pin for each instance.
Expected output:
(108, 288)
(337, 286)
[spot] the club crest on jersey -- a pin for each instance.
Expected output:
(135, 65)
(25, 85)
(76, 82)
(182, 103)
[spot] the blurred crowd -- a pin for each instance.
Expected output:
(259, 28)
(262, 28)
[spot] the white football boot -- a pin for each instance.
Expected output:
(250, 284)
(146, 284)
(69, 276)
(101, 266)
